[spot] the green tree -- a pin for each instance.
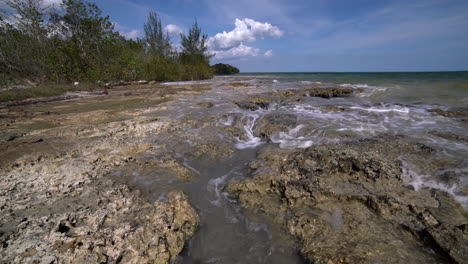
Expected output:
(157, 40)
(224, 69)
(195, 55)
(83, 36)
(194, 45)
(23, 40)
(30, 16)
(78, 43)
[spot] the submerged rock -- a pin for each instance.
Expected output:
(263, 101)
(322, 92)
(240, 85)
(346, 203)
(449, 136)
(254, 103)
(450, 113)
(206, 104)
(272, 123)
(334, 108)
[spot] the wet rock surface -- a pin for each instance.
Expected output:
(449, 136)
(462, 112)
(347, 203)
(270, 124)
(326, 92)
(254, 103)
(141, 174)
(264, 100)
(58, 203)
(108, 223)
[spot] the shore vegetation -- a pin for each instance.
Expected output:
(224, 69)
(77, 43)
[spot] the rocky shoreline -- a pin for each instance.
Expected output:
(76, 178)
(58, 205)
(346, 203)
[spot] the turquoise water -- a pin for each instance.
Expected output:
(444, 88)
(400, 103)
(389, 104)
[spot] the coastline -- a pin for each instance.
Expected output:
(150, 170)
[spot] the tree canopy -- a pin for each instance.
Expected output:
(224, 69)
(77, 42)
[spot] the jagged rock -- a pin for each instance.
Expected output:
(254, 103)
(322, 92)
(450, 113)
(265, 100)
(121, 227)
(449, 136)
(61, 207)
(272, 123)
(346, 203)
(206, 104)
(334, 108)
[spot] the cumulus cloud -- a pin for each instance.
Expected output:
(133, 34)
(52, 1)
(268, 53)
(231, 44)
(173, 30)
(55, 3)
(246, 30)
(239, 51)
(123, 31)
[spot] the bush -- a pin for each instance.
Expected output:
(77, 43)
(224, 69)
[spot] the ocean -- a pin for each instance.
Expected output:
(444, 88)
(429, 107)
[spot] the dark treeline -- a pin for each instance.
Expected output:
(224, 69)
(77, 43)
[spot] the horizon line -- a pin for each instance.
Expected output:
(448, 71)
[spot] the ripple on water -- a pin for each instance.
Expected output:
(418, 180)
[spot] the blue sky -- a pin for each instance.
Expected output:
(314, 35)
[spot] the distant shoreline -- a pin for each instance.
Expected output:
(346, 72)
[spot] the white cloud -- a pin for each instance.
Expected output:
(133, 34)
(12, 19)
(123, 31)
(246, 30)
(173, 30)
(55, 3)
(268, 53)
(52, 1)
(239, 51)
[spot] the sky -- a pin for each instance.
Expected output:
(313, 35)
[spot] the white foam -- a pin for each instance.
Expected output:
(397, 109)
(163, 197)
(135, 175)
(369, 90)
(185, 163)
(252, 141)
(186, 83)
(228, 121)
(291, 140)
(354, 85)
(419, 181)
(215, 185)
(256, 227)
